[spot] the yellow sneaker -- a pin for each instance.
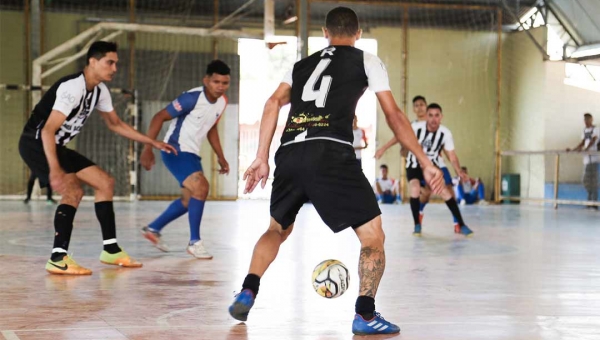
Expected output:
(66, 266)
(119, 259)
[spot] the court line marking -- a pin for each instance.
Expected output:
(163, 321)
(219, 326)
(9, 335)
(116, 328)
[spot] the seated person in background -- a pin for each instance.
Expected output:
(386, 188)
(468, 192)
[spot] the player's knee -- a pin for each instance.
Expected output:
(110, 182)
(276, 228)
(371, 233)
(78, 193)
(72, 195)
(286, 233)
(198, 185)
(200, 191)
(415, 191)
(107, 184)
(185, 201)
(447, 194)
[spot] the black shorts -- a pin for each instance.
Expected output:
(326, 173)
(417, 173)
(32, 152)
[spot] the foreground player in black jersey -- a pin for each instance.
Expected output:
(316, 161)
(57, 119)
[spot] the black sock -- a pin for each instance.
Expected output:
(453, 206)
(63, 226)
(251, 282)
(106, 217)
(365, 306)
(415, 207)
(49, 192)
(30, 184)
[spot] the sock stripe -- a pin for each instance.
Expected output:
(110, 241)
(58, 250)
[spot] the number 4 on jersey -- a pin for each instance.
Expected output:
(320, 96)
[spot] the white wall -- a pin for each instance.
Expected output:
(540, 112)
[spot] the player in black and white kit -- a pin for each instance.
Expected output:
(316, 161)
(434, 138)
(56, 120)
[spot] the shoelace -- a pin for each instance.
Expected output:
(377, 315)
(236, 295)
(152, 231)
(70, 256)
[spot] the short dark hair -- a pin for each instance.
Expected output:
(434, 106)
(383, 166)
(417, 98)
(219, 67)
(342, 22)
(99, 49)
(588, 115)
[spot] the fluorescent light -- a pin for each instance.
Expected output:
(586, 51)
(290, 20)
(528, 14)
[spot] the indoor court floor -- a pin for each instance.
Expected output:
(528, 273)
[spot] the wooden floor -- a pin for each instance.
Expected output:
(528, 273)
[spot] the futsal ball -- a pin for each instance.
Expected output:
(330, 279)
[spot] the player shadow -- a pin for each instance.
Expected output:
(65, 282)
(238, 332)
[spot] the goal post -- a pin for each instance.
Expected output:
(93, 33)
(173, 65)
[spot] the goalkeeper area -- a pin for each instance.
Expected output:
(518, 81)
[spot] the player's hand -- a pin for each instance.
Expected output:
(434, 178)
(257, 172)
(164, 147)
(379, 153)
(57, 180)
(147, 158)
(224, 166)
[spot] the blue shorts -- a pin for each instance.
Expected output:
(447, 177)
(182, 165)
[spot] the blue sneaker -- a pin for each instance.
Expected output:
(465, 231)
(241, 305)
(377, 325)
(417, 231)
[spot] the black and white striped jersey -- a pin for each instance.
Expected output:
(432, 142)
(69, 96)
(326, 87)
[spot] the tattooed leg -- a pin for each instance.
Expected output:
(370, 270)
(372, 257)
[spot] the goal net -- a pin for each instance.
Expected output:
(502, 71)
(163, 51)
(446, 52)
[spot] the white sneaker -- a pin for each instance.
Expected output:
(198, 251)
(155, 238)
